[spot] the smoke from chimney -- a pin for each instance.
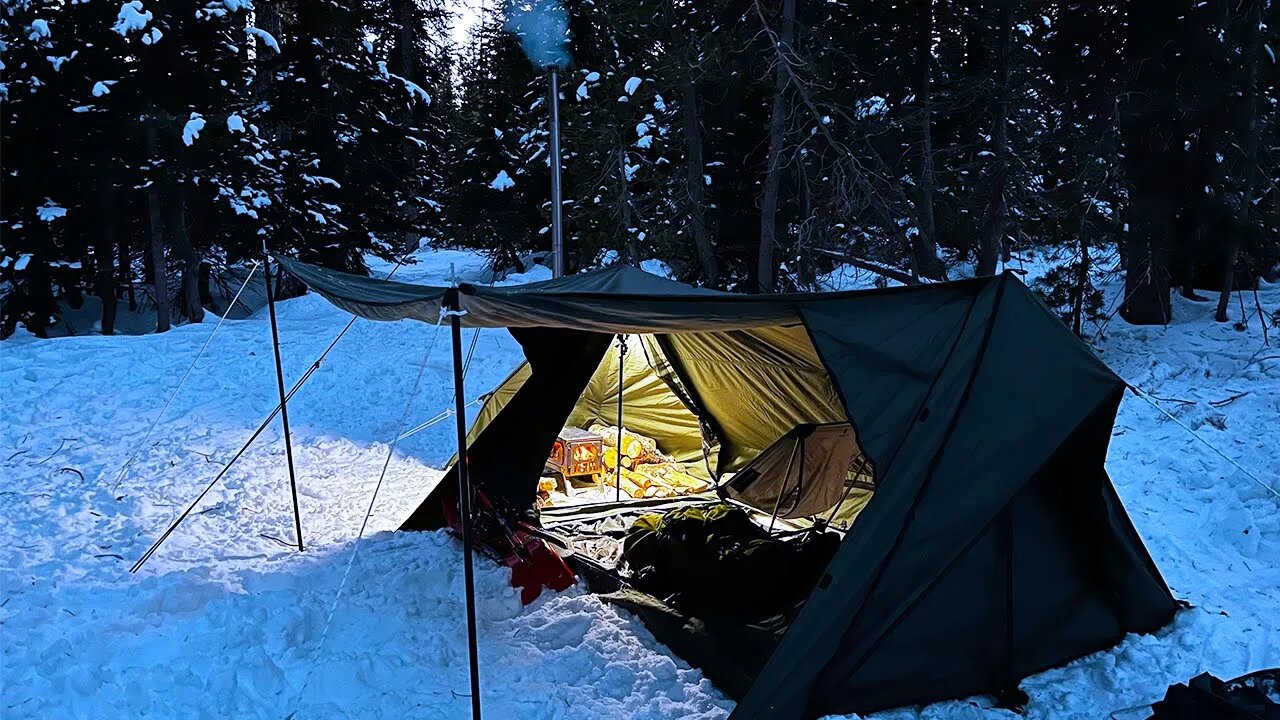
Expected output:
(543, 29)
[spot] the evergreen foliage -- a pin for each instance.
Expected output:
(750, 146)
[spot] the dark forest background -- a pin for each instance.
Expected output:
(148, 147)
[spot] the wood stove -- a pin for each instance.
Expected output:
(577, 454)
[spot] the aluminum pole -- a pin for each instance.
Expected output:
(557, 224)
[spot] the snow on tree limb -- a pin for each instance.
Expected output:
(264, 37)
(132, 18)
(192, 129)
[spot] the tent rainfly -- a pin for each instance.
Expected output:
(993, 546)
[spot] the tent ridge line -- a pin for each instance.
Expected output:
(909, 517)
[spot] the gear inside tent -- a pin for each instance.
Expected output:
(828, 502)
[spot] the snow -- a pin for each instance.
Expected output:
(321, 180)
(264, 37)
(57, 61)
(416, 90)
(632, 85)
(235, 123)
(593, 76)
(225, 621)
(502, 181)
(871, 106)
(412, 87)
(192, 129)
(657, 267)
(100, 89)
(22, 262)
(131, 18)
(582, 92)
(38, 29)
(50, 211)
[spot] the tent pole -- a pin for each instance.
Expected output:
(557, 224)
(783, 490)
(284, 400)
(617, 475)
(464, 495)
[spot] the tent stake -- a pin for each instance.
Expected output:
(464, 494)
(284, 400)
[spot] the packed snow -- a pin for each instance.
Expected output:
(227, 619)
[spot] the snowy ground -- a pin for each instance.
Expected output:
(227, 621)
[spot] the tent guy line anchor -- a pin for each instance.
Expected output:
(355, 547)
(124, 469)
(315, 365)
(1145, 396)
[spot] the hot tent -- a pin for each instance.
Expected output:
(994, 545)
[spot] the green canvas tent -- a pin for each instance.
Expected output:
(993, 545)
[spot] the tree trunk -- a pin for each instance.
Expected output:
(767, 264)
(404, 38)
(924, 244)
(1243, 226)
(205, 287)
(267, 17)
(159, 275)
(631, 252)
(806, 277)
(1146, 281)
(1152, 159)
(995, 216)
(1082, 277)
(175, 224)
(696, 184)
(42, 306)
(104, 267)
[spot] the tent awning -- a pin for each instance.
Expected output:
(620, 299)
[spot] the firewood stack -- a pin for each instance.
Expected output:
(646, 472)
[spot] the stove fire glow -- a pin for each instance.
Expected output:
(577, 453)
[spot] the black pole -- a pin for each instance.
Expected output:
(464, 497)
(261, 426)
(284, 400)
(617, 484)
